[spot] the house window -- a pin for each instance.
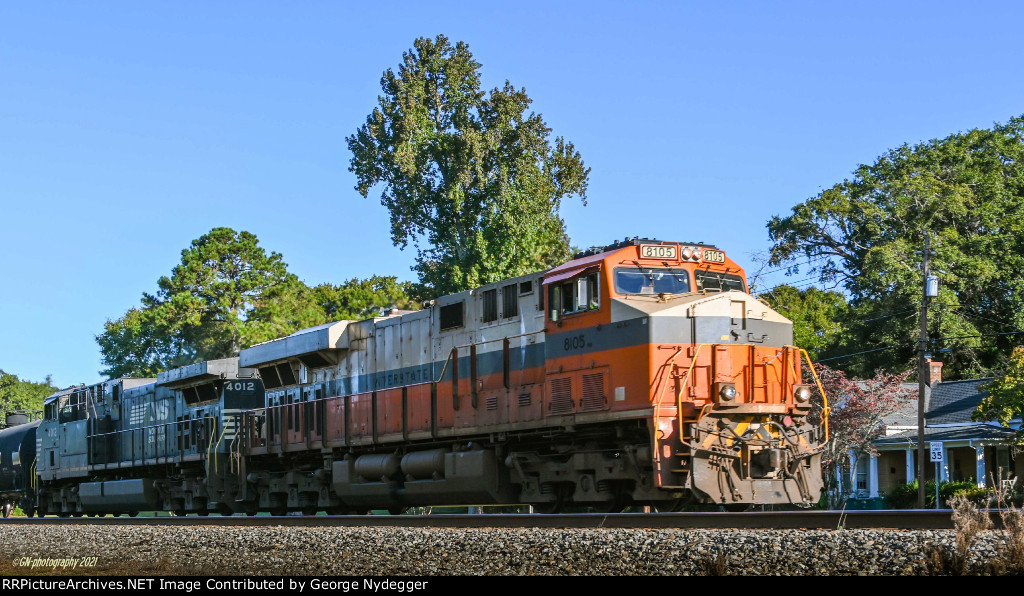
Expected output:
(861, 479)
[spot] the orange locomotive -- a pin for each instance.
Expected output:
(642, 373)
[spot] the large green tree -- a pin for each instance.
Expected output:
(866, 234)
(358, 299)
(16, 394)
(470, 178)
(227, 293)
(818, 316)
(1005, 400)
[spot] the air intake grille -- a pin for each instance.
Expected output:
(492, 402)
(593, 391)
(561, 396)
(525, 399)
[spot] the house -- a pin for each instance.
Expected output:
(981, 451)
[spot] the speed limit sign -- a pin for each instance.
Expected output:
(937, 453)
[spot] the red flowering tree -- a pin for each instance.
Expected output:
(858, 409)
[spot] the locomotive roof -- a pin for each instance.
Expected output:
(201, 372)
(61, 393)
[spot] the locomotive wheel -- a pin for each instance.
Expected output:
(561, 496)
(7, 509)
(737, 507)
(396, 510)
(30, 511)
(671, 506)
(309, 510)
(616, 505)
(279, 511)
(547, 508)
(133, 513)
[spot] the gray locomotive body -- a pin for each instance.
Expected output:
(131, 445)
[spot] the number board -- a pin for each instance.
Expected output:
(937, 452)
(714, 256)
(668, 252)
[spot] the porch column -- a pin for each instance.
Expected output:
(944, 466)
(873, 476)
(979, 469)
(911, 461)
(853, 472)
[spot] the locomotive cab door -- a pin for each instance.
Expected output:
(574, 318)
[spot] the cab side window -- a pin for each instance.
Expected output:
(574, 296)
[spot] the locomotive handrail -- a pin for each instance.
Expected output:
(273, 409)
(444, 369)
(825, 410)
(128, 430)
(686, 381)
(490, 341)
(209, 449)
(154, 426)
(235, 447)
(657, 405)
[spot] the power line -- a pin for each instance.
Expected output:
(978, 336)
(888, 315)
(859, 353)
(973, 316)
(931, 341)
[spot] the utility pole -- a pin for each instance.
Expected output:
(922, 375)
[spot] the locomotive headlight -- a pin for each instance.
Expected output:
(802, 395)
(726, 392)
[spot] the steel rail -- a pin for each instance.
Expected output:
(917, 519)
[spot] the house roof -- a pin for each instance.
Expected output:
(976, 432)
(953, 402)
(948, 418)
(905, 414)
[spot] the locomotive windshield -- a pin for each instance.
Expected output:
(712, 281)
(644, 280)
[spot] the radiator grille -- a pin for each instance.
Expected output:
(593, 391)
(525, 399)
(561, 396)
(492, 402)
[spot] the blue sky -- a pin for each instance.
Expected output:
(127, 129)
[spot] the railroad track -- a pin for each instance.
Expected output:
(779, 520)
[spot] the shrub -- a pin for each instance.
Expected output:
(968, 522)
(905, 496)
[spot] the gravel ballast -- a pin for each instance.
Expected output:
(207, 550)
